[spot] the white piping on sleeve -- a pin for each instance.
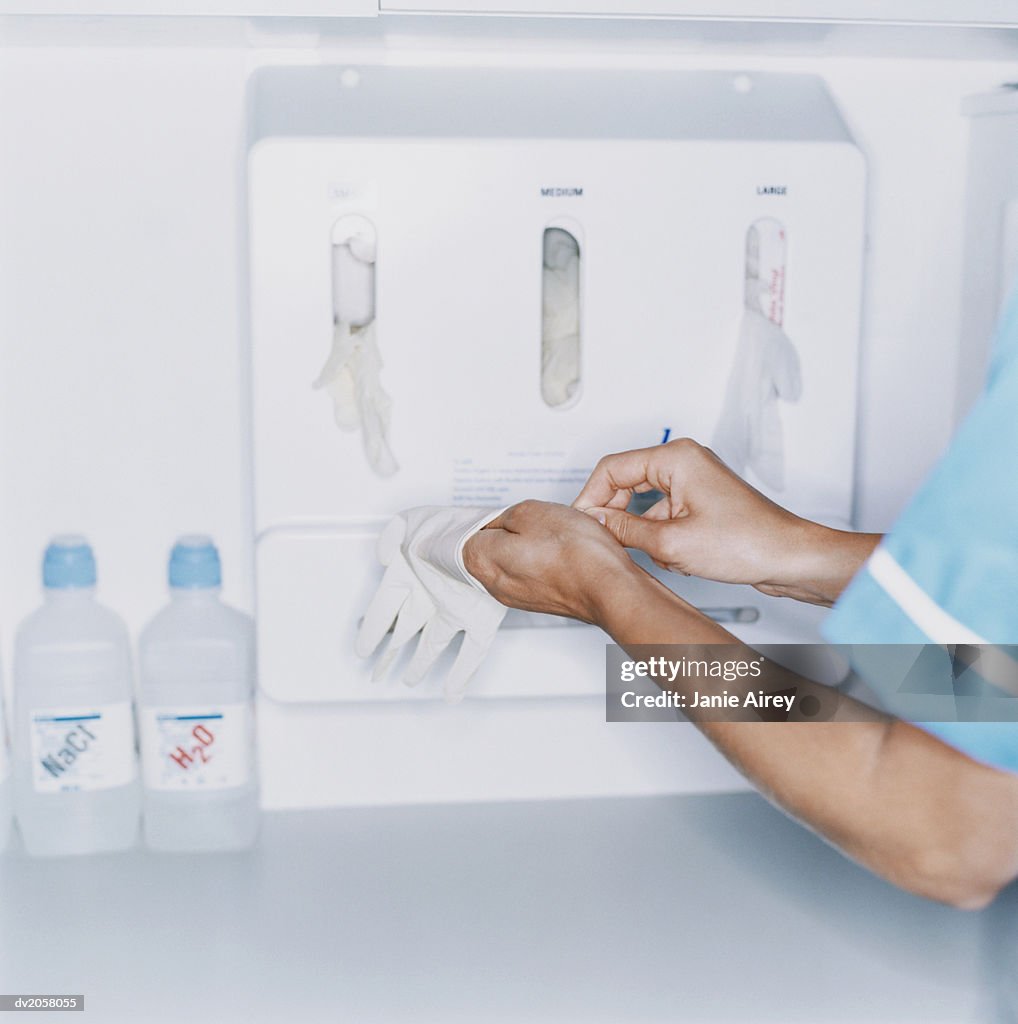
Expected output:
(940, 626)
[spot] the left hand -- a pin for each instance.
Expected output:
(543, 557)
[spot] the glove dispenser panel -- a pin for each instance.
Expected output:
(535, 301)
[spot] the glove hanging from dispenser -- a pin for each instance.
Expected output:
(352, 376)
(426, 592)
(748, 434)
(560, 317)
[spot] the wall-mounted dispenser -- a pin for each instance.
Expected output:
(587, 226)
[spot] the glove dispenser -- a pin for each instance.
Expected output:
(531, 270)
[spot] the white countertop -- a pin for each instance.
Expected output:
(664, 909)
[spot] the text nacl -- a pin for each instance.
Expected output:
(76, 742)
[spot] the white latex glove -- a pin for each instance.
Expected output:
(353, 378)
(427, 591)
(560, 351)
(748, 434)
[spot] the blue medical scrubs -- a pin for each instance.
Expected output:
(947, 573)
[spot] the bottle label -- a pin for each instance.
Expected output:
(189, 748)
(82, 749)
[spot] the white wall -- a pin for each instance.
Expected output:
(121, 342)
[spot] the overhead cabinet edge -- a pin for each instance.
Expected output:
(193, 8)
(965, 13)
(986, 13)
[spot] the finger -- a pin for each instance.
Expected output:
(660, 510)
(435, 638)
(384, 662)
(767, 459)
(412, 618)
(637, 532)
(787, 372)
(380, 616)
(390, 539)
(614, 478)
(471, 654)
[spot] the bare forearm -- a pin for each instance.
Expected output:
(819, 563)
(889, 795)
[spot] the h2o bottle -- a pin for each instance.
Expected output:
(75, 764)
(196, 713)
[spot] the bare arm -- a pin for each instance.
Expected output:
(711, 523)
(907, 806)
(889, 795)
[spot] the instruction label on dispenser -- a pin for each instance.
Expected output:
(515, 475)
(82, 749)
(196, 748)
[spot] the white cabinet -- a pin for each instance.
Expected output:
(204, 8)
(919, 12)
(991, 13)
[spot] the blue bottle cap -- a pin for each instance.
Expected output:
(194, 563)
(68, 562)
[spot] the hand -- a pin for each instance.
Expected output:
(425, 599)
(549, 558)
(711, 523)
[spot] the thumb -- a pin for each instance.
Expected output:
(648, 535)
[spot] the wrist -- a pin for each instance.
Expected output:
(617, 593)
(818, 562)
(640, 609)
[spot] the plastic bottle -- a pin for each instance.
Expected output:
(6, 782)
(196, 713)
(75, 757)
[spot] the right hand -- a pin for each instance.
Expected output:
(710, 522)
(543, 557)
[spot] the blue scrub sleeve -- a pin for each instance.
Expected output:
(947, 572)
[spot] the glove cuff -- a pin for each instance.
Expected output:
(476, 528)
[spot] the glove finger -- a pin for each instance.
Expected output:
(473, 651)
(768, 456)
(435, 638)
(376, 443)
(345, 411)
(380, 616)
(389, 540)
(417, 611)
(384, 662)
(730, 441)
(413, 616)
(344, 350)
(787, 371)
